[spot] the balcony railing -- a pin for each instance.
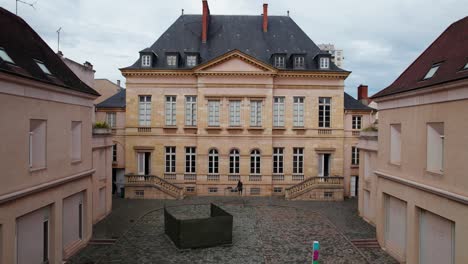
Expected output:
(356, 133)
(278, 177)
(255, 177)
(212, 177)
(298, 177)
(165, 186)
(233, 177)
(144, 129)
(301, 187)
(170, 176)
(190, 177)
(324, 131)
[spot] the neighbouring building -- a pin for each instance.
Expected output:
(55, 181)
(337, 54)
(112, 111)
(206, 108)
(106, 88)
(418, 193)
(83, 71)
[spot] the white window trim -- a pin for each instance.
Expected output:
(214, 108)
(170, 155)
(171, 60)
(191, 61)
(354, 155)
(146, 60)
(111, 119)
(235, 113)
(257, 162)
(190, 110)
(280, 61)
(146, 111)
(256, 113)
(356, 122)
(324, 63)
(170, 110)
(299, 62)
(234, 161)
(298, 165)
(213, 162)
(192, 158)
(298, 111)
(322, 107)
(278, 111)
(278, 156)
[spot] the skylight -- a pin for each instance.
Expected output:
(5, 56)
(43, 67)
(432, 71)
(466, 66)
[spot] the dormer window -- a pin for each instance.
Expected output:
(43, 67)
(280, 61)
(146, 60)
(191, 61)
(171, 60)
(5, 56)
(432, 71)
(324, 63)
(299, 62)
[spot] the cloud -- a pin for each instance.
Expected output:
(380, 38)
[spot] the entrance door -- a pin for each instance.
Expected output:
(143, 163)
(354, 186)
(324, 165)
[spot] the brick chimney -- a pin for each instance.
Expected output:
(205, 20)
(362, 92)
(118, 83)
(265, 17)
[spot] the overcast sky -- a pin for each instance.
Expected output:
(380, 38)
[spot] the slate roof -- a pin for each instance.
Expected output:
(115, 101)
(352, 104)
(450, 49)
(231, 32)
(24, 46)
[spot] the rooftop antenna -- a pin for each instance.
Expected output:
(58, 39)
(26, 3)
(182, 11)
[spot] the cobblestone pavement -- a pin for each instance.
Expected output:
(266, 230)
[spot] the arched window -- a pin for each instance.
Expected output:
(213, 161)
(255, 162)
(234, 161)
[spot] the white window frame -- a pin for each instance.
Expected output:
(190, 159)
(213, 113)
(234, 161)
(354, 155)
(298, 160)
(213, 161)
(278, 160)
(235, 113)
(190, 110)
(111, 119)
(324, 102)
(278, 111)
(256, 113)
(321, 167)
(171, 60)
(141, 163)
(144, 110)
(356, 122)
(324, 63)
(255, 162)
(171, 104)
(280, 61)
(170, 158)
(299, 62)
(191, 61)
(298, 111)
(146, 60)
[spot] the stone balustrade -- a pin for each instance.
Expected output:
(299, 188)
(152, 180)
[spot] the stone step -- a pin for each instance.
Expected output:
(104, 241)
(366, 243)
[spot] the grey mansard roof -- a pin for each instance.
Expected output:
(115, 101)
(230, 32)
(352, 104)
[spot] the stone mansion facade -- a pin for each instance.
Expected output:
(218, 99)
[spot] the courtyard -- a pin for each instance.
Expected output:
(266, 230)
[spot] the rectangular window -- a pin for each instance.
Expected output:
(146, 60)
(299, 62)
(357, 120)
(5, 56)
(324, 164)
(170, 159)
(140, 193)
(298, 111)
(278, 160)
(190, 159)
(76, 140)
(213, 113)
(110, 119)
(280, 61)
(395, 143)
(212, 189)
(37, 143)
(145, 110)
(354, 156)
(191, 60)
(435, 147)
(191, 110)
(256, 113)
(328, 194)
(432, 71)
(277, 189)
(114, 153)
(234, 113)
(278, 111)
(324, 63)
(143, 159)
(171, 110)
(298, 160)
(171, 60)
(190, 189)
(234, 158)
(43, 67)
(324, 112)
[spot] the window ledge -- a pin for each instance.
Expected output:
(256, 128)
(214, 128)
(279, 128)
(435, 173)
(76, 161)
(190, 127)
(170, 127)
(235, 128)
(37, 169)
(394, 164)
(298, 128)
(354, 166)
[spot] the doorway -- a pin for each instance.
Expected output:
(354, 186)
(144, 163)
(324, 165)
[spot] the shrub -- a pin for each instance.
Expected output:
(101, 125)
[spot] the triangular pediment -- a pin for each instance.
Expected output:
(235, 61)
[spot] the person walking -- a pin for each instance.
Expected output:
(239, 187)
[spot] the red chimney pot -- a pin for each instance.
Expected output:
(265, 17)
(205, 20)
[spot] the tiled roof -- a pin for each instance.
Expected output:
(450, 50)
(233, 32)
(24, 46)
(115, 101)
(352, 104)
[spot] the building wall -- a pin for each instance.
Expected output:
(105, 88)
(368, 150)
(85, 73)
(443, 194)
(118, 133)
(225, 88)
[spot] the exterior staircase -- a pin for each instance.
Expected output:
(152, 182)
(326, 184)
